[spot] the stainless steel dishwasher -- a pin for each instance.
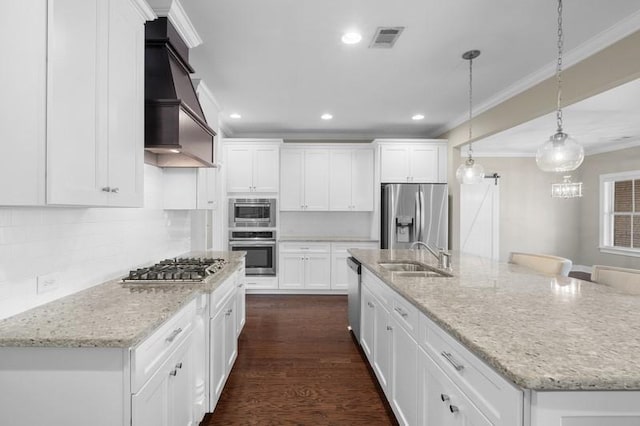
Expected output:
(353, 296)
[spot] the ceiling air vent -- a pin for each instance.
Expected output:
(386, 37)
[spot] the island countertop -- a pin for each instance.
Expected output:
(108, 315)
(541, 332)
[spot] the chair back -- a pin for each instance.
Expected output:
(624, 279)
(545, 263)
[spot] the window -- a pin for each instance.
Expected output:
(620, 213)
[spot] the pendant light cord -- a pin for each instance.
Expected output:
(470, 107)
(559, 68)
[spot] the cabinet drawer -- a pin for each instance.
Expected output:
(498, 399)
(343, 247)
(406, 314)
(222, 293)
(151, 353)
(305, 247)
(381, 291)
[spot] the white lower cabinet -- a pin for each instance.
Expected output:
(339, 268)
(241, 302)
(223, 337)
(429, 378)
(304, 266)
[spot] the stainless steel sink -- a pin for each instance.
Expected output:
(406, 266)
(431, 274)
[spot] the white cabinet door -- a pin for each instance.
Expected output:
(206, 183)
(404, 364)
(292, 179)
(230, 334)
(317, 271)
(394, 164)
(125, 105)
(340, 178)
(241, 303)
(339, 270)
(76, 102)
(424, 164)
(150, 406)
(23, 119)
(239, 169)
(217, 357)
(181, 395)
(367, 322)
(382, 347)
(362, 183)
(316, 179)
(292, 272)
(266, 168)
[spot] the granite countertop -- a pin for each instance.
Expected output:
(109, 315)
(540, 332)
(320, 239)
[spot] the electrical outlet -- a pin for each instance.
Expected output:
(46, 283)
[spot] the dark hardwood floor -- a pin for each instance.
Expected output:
(298, 364)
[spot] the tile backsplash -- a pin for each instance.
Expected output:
(50, 252)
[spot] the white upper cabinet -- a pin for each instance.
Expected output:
(305, 179)
(22, 119)
(413, 160)
(95, 103)
(187, 188)
(351, 180)
(252, 165)
(77, 106)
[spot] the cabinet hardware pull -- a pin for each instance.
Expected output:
(179, 365)
(370, 304)
(115, 190)
(444, 397)
(173, 372)
(106, 189)
(389, 328)
(452, 361)
(174, 334)
(453, 409)
(240, 285)
(402, 313)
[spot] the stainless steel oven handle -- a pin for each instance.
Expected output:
(261, 243)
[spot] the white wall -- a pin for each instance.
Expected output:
(326, 224)
(82, 247)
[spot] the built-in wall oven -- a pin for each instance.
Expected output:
(260, 246)
(252, 212)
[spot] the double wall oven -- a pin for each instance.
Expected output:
(252, 224)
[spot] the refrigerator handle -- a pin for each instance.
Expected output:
(417, 228)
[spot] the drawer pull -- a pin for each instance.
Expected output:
(179, 365)
(389, 328)
(173, 372)
(444, 397)
(370, 304)
(453, 409)
(452, 361)
(402, 313)
(174, 334)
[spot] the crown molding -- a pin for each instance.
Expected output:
(590, 47)
(609, 147)
(144, 10)
(173, 10)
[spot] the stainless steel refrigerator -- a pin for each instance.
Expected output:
(414, 212)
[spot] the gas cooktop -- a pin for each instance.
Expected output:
(192, 270)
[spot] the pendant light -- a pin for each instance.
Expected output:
(470, 171)
(560, 153)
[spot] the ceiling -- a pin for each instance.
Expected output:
(605, 122)
(281, 64)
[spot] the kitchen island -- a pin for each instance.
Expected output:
(550, 337)
(124, 353)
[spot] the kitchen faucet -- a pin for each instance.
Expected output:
(444, 258)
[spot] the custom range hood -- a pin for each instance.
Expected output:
(176, 130)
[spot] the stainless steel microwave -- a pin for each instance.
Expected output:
(252, 212)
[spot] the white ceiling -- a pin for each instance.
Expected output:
(605, 122)
(280, 63)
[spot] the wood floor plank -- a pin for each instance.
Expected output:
(298, 365)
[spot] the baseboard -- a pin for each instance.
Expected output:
(298, 292)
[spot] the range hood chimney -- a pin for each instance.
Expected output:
(176, 130)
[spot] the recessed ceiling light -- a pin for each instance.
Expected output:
(326, 116)
(417, 117)
(351, 38)
(235, 115)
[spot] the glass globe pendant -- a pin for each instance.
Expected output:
(560, 153)
(470, 172)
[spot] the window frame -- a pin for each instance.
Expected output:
(607, 182)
